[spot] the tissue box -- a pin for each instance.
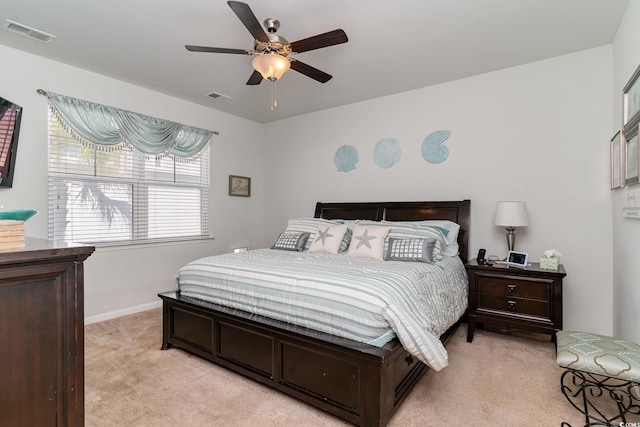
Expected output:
(549, 263)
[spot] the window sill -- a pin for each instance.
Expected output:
(119, 246)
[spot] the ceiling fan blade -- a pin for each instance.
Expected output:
(321, 40)
(244, 13)
(215, 49)
(255, 79)
(310, 71)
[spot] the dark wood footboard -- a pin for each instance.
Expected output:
(359, 383)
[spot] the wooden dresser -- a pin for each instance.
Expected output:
(42, 330)
(522, 298)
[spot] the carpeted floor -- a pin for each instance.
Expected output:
(498, 380)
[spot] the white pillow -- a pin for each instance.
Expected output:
(328, 238)
(368, 242)
(310, 225)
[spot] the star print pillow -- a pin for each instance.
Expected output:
(327, 238)
(368, 241)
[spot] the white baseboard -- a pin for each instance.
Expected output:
(119, 313)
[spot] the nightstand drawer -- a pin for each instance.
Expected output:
(516, 288)
(521, 306)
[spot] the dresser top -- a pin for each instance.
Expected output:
(41, 249)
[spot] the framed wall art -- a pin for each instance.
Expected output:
(631, 155)
(239, 186)
(631, 101)
(617, 161)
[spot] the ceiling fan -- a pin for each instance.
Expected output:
(272, 51)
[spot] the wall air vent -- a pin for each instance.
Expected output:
(219, 96)
(29, 32)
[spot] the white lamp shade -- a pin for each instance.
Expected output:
(512, 214)
(272, 66)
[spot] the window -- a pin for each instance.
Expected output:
(117, 194)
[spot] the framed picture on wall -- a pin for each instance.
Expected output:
(617, 161)
(631, 101)
(631, 154)
(239, 186)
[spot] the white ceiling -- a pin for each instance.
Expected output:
(394, 46)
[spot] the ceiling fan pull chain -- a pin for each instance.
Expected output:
(274, 103)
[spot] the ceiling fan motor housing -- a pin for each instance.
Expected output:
(271, 24)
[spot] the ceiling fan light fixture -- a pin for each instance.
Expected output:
(271, 65)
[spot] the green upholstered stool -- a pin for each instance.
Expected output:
(601, 377)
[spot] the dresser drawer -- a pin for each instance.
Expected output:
(523, 306)
(516, 288)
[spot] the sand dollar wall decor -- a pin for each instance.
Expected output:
(386, 153)
(346, 158)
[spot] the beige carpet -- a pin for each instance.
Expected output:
(498, 380)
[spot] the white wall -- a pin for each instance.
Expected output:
(626, 232)
(118, 281)
(537, 132)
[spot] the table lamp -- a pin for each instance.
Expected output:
(511, 215)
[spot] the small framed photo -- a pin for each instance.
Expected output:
(617, 161)
(517, 259)
(631, 101)
(239, 186)
(631, 155)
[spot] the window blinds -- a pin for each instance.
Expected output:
(119, 194)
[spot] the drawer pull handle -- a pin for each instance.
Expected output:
(511, 288)
(409, 360)
(511, 304)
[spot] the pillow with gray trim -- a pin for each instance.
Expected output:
(310, 225)
(419, 250)
(368, 242)
(291, 241)
(328, 238)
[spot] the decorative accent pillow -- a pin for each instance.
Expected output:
(328, 238)
(310, 225)
(291, 241)
(450, 228)
(419, 250)
(404, 230)
(367, 241)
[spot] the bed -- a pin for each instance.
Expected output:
(360, 382)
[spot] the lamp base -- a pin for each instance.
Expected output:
(511, 238)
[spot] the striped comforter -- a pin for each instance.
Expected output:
(361, 299)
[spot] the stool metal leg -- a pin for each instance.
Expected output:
(595, 395)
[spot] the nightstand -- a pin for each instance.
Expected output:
(521, 298)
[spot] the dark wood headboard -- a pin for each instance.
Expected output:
(456, 211)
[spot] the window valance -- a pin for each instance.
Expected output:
(113, 128)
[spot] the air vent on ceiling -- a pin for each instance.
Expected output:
(32, 33)
(219, 96)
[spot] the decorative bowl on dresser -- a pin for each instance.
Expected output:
(522, 298)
